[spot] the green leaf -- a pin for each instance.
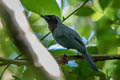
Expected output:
(104, 3)
(33, 18)
(116, 4)
(6, 45)
(106, 36)
(28, 74)
(97, 15)
(42, 6)
(59, 52)
(85, 11)
(92, 49)
(116, 70)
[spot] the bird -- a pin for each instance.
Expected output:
(67, 37)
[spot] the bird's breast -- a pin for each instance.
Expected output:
(58, 33)
(52, 27)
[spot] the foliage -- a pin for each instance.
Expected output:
(98, 23)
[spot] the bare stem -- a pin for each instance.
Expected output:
(80, 6)
(45, 36)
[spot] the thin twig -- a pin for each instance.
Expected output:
(7, 67)
(7, 62)
(65, 18)
(17, 57)
(80, 6)
(4, 71)
(45, 36)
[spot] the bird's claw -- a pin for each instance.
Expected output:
(64, 55)
(65, 58)
(78, 54)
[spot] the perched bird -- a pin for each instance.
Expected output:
(67, 37)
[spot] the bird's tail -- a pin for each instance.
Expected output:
(90, 61)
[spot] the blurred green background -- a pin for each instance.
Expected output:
(98, 23)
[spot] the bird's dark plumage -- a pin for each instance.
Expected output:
(67, 37)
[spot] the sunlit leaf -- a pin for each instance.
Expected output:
(85, 11)
(42, 6)
(104, 3)
(28, 74)
(97, 15)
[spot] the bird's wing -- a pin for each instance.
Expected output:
(71, 34)
(80, 41)
(74, 35)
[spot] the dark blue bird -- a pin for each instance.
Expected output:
(67, 37)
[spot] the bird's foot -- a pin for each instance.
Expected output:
(64, 55)
(65, 60)
(78, 54)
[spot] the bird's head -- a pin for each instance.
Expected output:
(51, 19)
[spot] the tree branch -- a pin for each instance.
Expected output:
(13, 61)
(96, 57)
(12, 12)
(6, 66)
(80, 6)
(62, 59)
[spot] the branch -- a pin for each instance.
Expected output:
(12, 12)
(96, 57)
(13, 61)
(6, 66)
(80, 6)
(45, 36)
(64, 60)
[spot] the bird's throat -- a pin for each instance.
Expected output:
(52, 27)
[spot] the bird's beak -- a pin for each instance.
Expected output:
(45, 17)
(42, 16)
